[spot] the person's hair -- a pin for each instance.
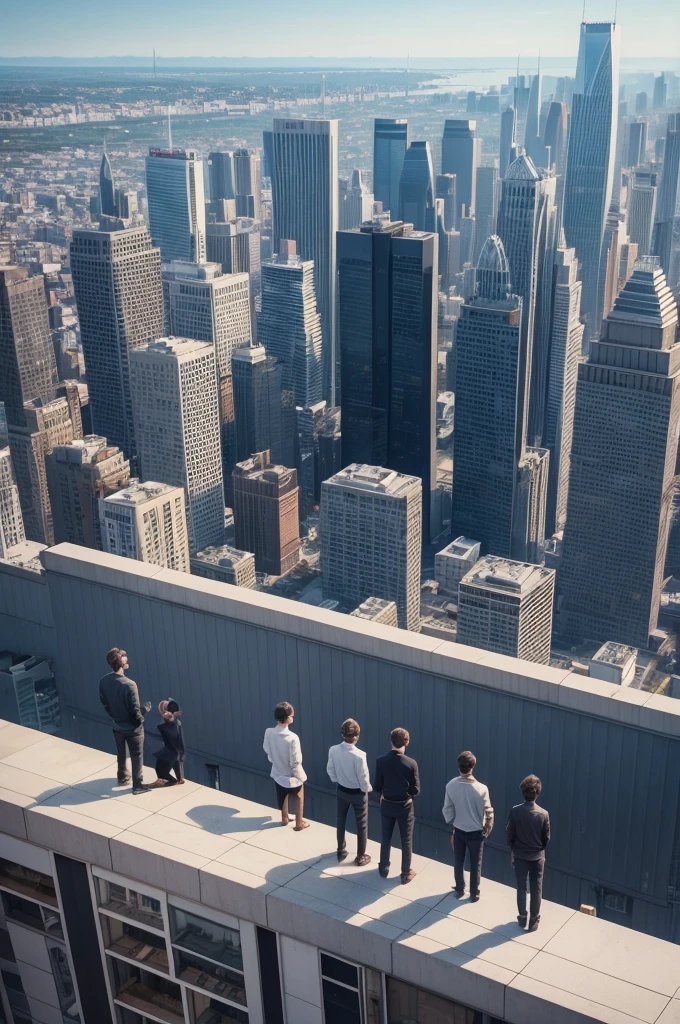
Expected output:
(283, 711)
(531, 787)
(173, 706)
(400, 737)
(115, 658)
(350, 729)
(466, 762)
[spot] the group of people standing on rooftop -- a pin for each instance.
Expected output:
(467, 808)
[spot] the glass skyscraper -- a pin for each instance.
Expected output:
(461, 155)
(390, 142)
(174, 188)
(591, 159)
(416, 186)
(107, 191)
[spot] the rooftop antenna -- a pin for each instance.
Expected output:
(154, 62)
(616, 9)
(169, 129)
(583, 18)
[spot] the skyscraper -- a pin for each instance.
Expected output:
(387, 280)
(11, 519)
(174, 189)
(494, 484)
(304, 177)
(640, 102)
(507, 141)
(565, 349)
(445, 188)
(257, 402)
(146, 521)
(117, 283)
(203, 303)
(247, 183)
(416, 186)
(107, 190)
(668, 197)
(221, 177)
(642, 210)
(173, 382)
(527, 226)
(591, 159)
(486, 209)
(506, 607)
(637, 142)
(46, 425)
(390, 142)
(356, 205)
(461, 155)
(370, 530)
(555, 141)
(622, 468)
(27, 366)
(236, 246)
(78, 475)
(533, 142)
(266, 518)
(289, 325)
(660, 94)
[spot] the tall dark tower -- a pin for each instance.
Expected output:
(27, 366)
(416, 186)
(107, 190)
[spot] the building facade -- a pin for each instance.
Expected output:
(390, 142)
(461, 155)
(117, 283)
(507, 607)
(623, 457)
(176, 411)
(146, 521)
(266, 517)
(11, 520)
(27, 365)
(78, 475)
(257, 403)
(669, 190)
(370, 528)
(416, 186)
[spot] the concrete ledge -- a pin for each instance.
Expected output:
(158, 864)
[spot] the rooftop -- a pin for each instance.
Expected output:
(179, 348)
(137, 493)
(232, 855)
(459, 548)
(25, 555)
(373, 478)
(504, 575)
(372, 608)
(221, 555)
(614, 654)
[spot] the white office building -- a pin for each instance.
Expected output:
(146, 521)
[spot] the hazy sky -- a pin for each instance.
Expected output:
(327, 28)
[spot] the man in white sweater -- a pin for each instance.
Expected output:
(283, 749)
(347, 768)
(468, 809)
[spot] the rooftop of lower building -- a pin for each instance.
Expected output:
(374, 478)
(505, 575)
(231, 854)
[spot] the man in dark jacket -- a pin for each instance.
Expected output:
(528, 834)
(397, 781)
(120, 698)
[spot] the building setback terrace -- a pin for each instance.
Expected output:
(219, 855)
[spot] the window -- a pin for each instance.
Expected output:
(406, 1003)
(144, 992)
(135, 944)
(32, 914)
(28, 882)
(340, 986)
(118, 899)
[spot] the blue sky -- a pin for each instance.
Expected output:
(327, 28)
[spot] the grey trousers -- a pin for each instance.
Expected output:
(135, 745)
(534, 870)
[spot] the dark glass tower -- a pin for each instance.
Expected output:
(257, 402)
(107, 191)
(416, 186)
(461, 155)
(388, 343)
(507, 140)
(390, 142)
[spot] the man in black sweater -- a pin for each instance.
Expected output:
(120, 698)
(396, 779)
(528, 834)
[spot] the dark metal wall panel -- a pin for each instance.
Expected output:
(612, 790)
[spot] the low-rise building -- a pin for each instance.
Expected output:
(146, 521)
(226, 565)
(615, 663)
(377, 609)
(453, 562)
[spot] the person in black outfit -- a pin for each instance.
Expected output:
(171, 755)
(120, 698)
(397, 781)
(528, 834)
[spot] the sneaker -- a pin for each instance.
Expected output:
(405, 879)
(342, 854)
(362, 860)
(533, 924)
(522, 921)
(384, 872)
(141, 789)
(475, 898)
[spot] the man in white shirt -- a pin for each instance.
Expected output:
(468, 809)
(282, 747)
(347, 768)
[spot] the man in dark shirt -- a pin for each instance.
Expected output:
(120, 698)
(528, 834)
(396, 779)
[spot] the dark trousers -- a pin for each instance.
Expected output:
(402, 815)
(163, 769)
(347, 798)
(464, 842)
(135, 745)
(534, 869)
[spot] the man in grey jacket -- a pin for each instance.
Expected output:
(468, 809)
(120, 698)
(528, 834)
